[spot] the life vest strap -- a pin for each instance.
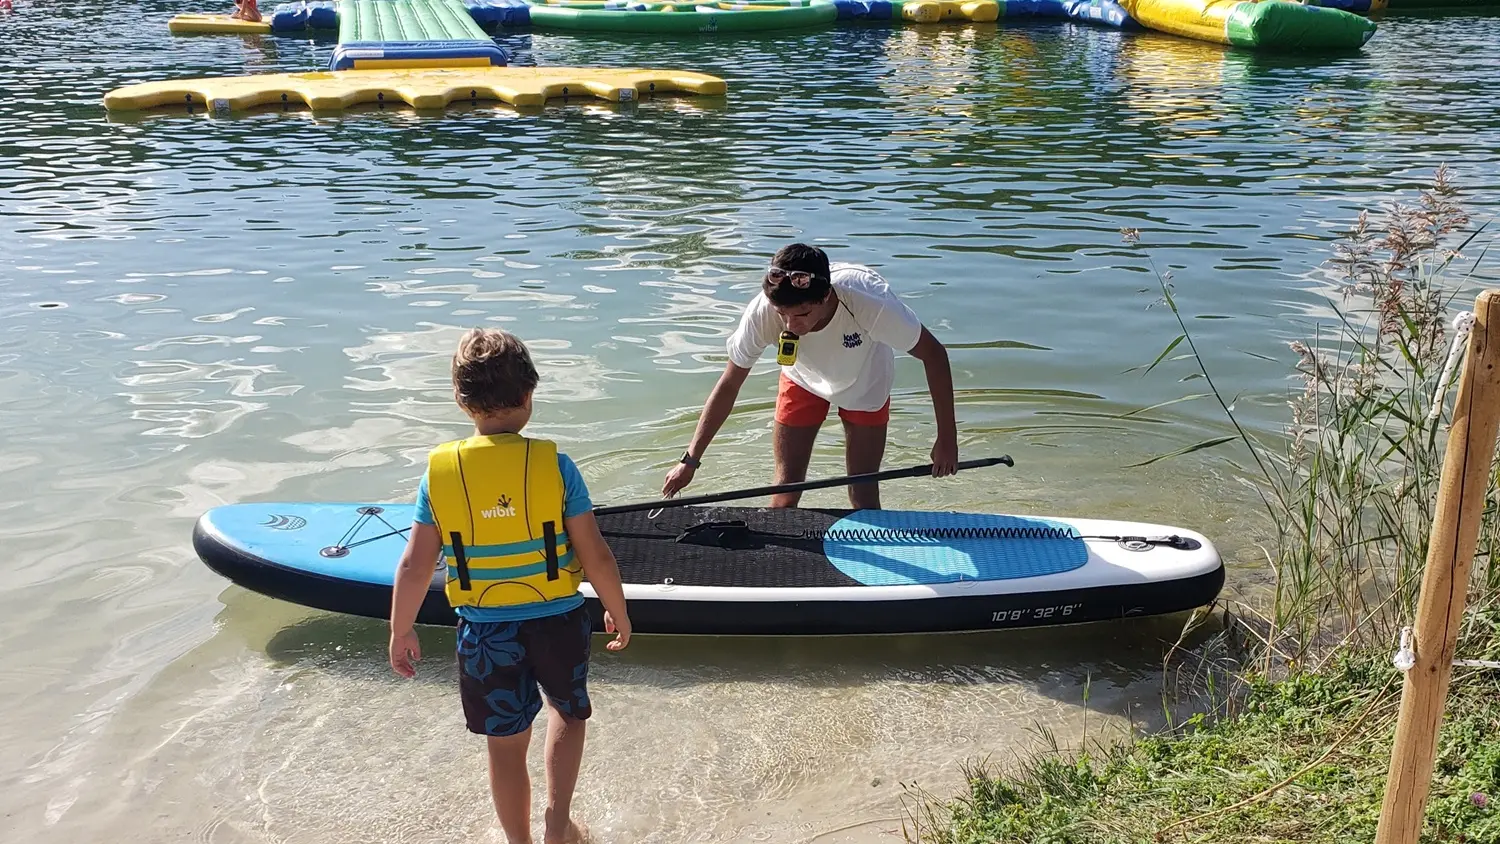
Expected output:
(479, 571)
(549, 540)
(527, 547)
(461, 558)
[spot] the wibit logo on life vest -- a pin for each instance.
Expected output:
(501, 509)
(852, 340)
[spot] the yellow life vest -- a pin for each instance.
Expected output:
(498, 503)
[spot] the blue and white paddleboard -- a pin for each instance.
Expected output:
(749, 570)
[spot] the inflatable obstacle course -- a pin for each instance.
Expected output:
(938, 11)
(410, 33)
(684, 17)
(314, 15)
(423, 88)
(1102, 12)
(321, 15)
(1307, 26)
(424, 53)
(914, 11)
(191, 24)
(1270, 24)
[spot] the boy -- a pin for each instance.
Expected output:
(846, 325)
(513, 520)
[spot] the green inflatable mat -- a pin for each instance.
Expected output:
(410, 34)
(386, 21)
(685, 17)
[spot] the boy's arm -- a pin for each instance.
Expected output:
(934, 357)
(602, 571)
(413, 577)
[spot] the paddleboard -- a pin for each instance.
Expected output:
(722, 570)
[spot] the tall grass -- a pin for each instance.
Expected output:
(1351, 487)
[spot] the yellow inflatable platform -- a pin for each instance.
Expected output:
(941, 11)
(189, 24)
(423, 88)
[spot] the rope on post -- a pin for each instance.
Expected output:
(1462, 325)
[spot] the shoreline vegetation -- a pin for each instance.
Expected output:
(1294, 700)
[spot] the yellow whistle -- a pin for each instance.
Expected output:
(786, 348)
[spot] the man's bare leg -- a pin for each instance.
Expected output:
(864, 449)
(793, 447)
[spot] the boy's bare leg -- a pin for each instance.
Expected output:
(510, 785)
(864, 448)
(793, 446)
(564, 757)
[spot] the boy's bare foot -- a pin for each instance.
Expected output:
(576, 833)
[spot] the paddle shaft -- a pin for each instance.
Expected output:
(889, 474)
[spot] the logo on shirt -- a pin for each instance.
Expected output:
(852, 340)
(502, 509)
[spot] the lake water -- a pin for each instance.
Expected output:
(197, 311)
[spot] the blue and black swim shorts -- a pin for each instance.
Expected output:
(505, 667)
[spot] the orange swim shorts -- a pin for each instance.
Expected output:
(798, 408)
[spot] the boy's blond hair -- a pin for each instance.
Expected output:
(492, 371)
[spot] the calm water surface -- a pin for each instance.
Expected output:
(196, 311)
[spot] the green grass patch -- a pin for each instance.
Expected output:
(1303, 759)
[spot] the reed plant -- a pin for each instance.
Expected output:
(1299, 749)
(1350, 484)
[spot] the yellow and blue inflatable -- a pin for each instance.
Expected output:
(1307, 26)
(410, 33)
(425, 53)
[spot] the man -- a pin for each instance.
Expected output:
(843, 324)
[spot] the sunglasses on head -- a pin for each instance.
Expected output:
(798, 278)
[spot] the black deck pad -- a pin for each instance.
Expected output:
(724, 546)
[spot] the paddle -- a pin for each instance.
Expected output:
(889, 474)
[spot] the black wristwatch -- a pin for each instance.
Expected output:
(688, 458)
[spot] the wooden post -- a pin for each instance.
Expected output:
(1445, 581)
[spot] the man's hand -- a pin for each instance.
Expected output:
(934, 358)
(680, 476)
(944, 457)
